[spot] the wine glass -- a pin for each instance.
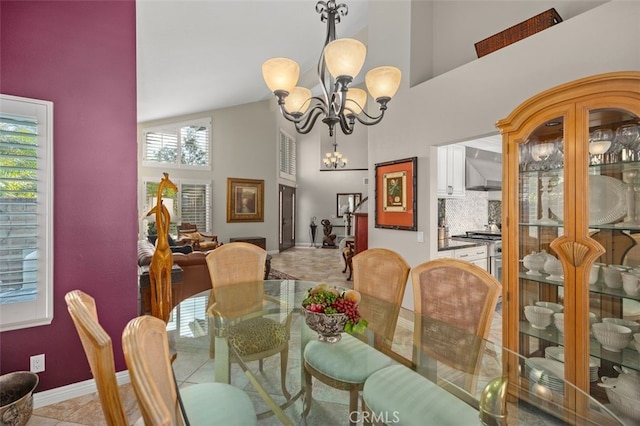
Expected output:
(628, 136)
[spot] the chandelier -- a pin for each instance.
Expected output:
(334, 159)
(338, 104)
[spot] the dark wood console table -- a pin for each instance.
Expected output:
(259, 241)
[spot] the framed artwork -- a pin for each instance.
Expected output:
(396, 195)
(245, 200)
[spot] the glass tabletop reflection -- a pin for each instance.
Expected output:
(469, 367)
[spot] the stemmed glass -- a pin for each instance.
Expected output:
(632, 178)
(599, 143)
(628, 136)
(544, 202)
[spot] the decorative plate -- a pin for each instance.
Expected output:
(607, 200)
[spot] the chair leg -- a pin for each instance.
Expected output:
(284, 359)
(308, 389)
(353, 406)
(260, 366)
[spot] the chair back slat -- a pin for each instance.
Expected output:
(98, 348)
(146, 350)
(383, 274)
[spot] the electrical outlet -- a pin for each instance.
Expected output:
(420, 237)
(37, 363)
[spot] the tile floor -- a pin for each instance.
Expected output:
(330, 406)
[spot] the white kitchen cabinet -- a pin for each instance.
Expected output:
(476, 255)
(451, 171)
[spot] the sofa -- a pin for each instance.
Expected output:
(190, 275)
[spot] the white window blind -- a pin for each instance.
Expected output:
(26, 214)
(180, 145)
(287, 156)
(191, 204)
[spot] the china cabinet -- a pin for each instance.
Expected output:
(572, 190)
(451, 171)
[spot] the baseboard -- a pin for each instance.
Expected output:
(74, 390)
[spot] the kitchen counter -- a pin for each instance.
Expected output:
(452, 244)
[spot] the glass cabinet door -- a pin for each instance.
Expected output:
(571, 243)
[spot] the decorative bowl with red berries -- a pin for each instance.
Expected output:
(329, 311)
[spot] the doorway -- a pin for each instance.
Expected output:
(287, 214)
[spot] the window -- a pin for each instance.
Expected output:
(287, 156)
(26, 212)
(192, 203)
(179, 145)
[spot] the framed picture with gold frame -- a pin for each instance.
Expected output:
(245, 200)
(396, 195)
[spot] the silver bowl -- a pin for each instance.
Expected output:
(328, 326)
(16, 397)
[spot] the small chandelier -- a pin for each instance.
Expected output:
(333, 160)
(343, 59)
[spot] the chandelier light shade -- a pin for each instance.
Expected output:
(383, 82)
(298, 100)
(356, 100)
(280, 74)
(340, 62)
(345, 57)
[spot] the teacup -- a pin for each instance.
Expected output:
(631, 284)
(612, 276)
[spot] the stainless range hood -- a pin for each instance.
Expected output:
(483, 170)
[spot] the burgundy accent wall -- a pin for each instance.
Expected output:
(82, 56)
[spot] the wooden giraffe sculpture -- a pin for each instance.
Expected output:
(162, 260)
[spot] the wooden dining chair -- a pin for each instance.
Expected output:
(146, 351)
(256, 338)
(381, 274)
(456, 292)
(98, 348)
(454, 303)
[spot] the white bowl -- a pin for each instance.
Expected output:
(627, 406)
(555, 307)
(538, 316)
(632, 325)
(558, 321)
(612, 276)
(612, 337)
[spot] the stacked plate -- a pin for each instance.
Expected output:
(557, 353)
(546, 372)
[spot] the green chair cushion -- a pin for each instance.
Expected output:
(349, 360)
(257, 335)
(217, 404)
(404, 397)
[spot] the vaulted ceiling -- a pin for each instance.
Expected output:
(200, 55)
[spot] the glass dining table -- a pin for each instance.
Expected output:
(472, 369)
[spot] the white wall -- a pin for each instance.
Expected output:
(244, 146)
(466, 101)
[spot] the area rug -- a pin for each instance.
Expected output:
(278, 275)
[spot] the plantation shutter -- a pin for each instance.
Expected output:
(161, 147)
(195, 204)
(287, 157)
(26, 212)
(18, 208)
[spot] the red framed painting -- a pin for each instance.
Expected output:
(396, 196)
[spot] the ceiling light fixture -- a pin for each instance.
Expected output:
(333, 160)
(343, 59)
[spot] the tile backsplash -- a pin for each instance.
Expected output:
(473, 212)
